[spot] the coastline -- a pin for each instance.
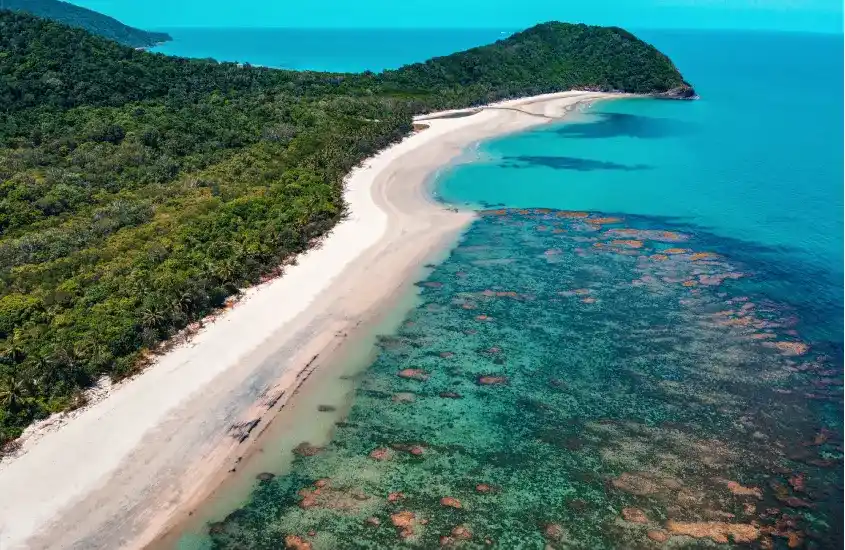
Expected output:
(164, 440)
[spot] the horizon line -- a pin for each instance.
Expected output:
(839, 32)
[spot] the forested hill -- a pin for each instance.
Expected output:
(548, 57)
(90, 20)
(139, 191)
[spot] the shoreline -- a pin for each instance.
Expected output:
(301, 420)
(163, 441)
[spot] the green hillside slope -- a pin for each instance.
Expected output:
(92, 21)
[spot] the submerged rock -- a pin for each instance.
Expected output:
(330, 498)
(406, 522)
(295, 542)
(491, 380)
(703, 256)
(450, 502)
(645, 234)
(717, 531)
(306, 449)
(403, 397)
(416, 450)
(461, 532)
(634, 515)
(572, 214)
(380, 454)
(414, 374)
(449, 395)
(790, 348)
(797, 482)
(739, 490)
(604, 221)
(554, 531)
(627, 243)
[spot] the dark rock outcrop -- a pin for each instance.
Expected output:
(681, 92)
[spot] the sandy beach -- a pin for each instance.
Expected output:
(128, 466)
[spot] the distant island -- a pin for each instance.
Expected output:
(91, 21)
(140, 191)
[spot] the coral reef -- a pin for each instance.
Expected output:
(551, 393)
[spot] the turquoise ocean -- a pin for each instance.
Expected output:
(639, 340)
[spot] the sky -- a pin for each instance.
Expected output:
(792, 15)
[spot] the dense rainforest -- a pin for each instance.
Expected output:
(139, 191)
(91, 21)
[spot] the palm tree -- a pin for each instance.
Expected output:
(153, 316)
(13, 389)
(12, 353)
(63, 368)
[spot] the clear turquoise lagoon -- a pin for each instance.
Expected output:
(638, 344)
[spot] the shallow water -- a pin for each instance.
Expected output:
(560, 370)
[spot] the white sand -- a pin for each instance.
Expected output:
(116, 473)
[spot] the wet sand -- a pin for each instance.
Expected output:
(132, 465)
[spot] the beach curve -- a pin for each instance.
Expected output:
(121, 471)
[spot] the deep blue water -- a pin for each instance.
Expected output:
(640, 337)
(350, 50)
